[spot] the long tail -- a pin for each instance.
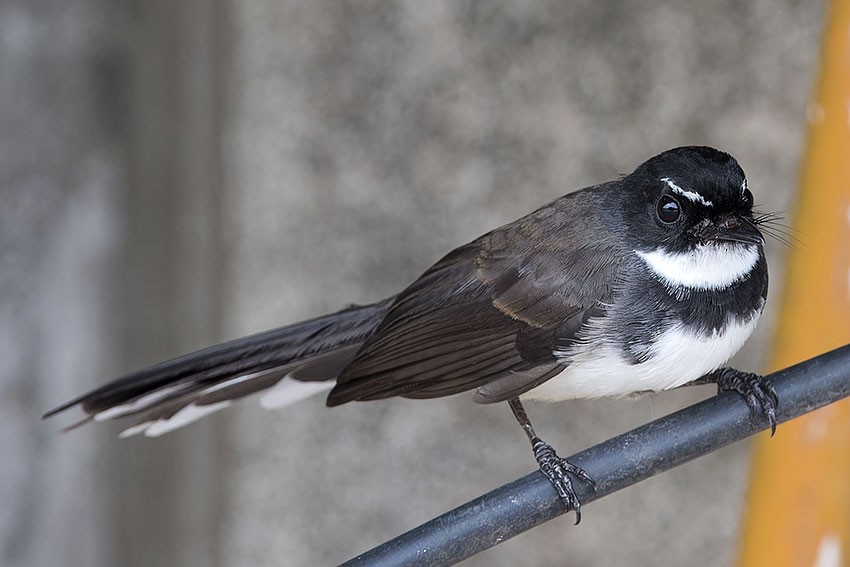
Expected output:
(288, 364)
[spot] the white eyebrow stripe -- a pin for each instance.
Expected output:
(689, 195)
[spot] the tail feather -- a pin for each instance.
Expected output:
(168, 395)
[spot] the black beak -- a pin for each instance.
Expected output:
(732, 228)
(737, 229)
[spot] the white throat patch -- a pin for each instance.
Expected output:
(692, 196)
(707, 267)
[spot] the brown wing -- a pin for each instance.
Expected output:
(489, 313)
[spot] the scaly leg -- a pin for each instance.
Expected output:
(555, 468)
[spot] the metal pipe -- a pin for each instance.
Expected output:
(615, 464)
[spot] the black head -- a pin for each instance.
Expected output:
(688, 197)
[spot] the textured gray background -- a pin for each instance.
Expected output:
(174, 174)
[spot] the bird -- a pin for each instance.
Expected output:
(645, 283)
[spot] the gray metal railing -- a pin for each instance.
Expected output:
(615, 464)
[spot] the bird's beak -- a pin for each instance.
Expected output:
(732, 228)
(736, 229)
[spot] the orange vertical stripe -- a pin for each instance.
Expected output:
(799, 499)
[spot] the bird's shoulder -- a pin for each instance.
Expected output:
(562, 258)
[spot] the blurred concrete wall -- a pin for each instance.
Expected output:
(173, 174)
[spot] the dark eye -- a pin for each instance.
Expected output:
(668, 209)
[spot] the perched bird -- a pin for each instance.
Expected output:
(646, 283)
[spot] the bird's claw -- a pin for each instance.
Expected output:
(558, 470)
(757, 391)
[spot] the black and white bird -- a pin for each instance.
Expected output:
(646, 283)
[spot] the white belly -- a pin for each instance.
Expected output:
(677, 357)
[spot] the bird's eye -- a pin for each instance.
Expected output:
(668, 209)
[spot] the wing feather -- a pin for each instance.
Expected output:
(490, 312)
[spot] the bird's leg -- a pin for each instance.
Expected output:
(756, 390)
(555, 468)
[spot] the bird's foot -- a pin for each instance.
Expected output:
(558, 470)
(756, 390)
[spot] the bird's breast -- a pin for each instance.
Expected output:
(682, 353)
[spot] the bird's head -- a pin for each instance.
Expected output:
(689, 214)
